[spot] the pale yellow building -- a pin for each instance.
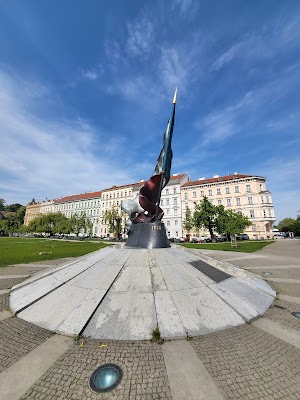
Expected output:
(112, 199)
(244, 193)
(33, 210)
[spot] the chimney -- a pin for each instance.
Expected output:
(216, 176)
(202, 179)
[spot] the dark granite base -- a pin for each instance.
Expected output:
(148, 235)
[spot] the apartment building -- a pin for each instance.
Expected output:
(170, 203)
(112, 199)
(88, 204)
(242, 193)
(33, 210)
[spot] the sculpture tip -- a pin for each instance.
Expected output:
(175, 96)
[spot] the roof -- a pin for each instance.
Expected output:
(119, 187)
(82, 196)
(7, 214)
(173, 180)
(225, 178)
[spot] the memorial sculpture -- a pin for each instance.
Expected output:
(145, 226)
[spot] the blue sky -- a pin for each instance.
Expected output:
(86, 90)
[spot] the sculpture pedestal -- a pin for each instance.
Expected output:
(148, 235)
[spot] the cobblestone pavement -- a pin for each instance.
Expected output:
(9, 283)
(4, 301)
(17, 338)
(18, 270)
(283, 315)
(247, 363)
(291, 273)
(290, 289)
(144, 372)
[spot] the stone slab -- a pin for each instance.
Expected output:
(5, 314)
(202, 311)
(188, 377)
(66, 310)
(123, 316)
(256, 299)
(13, 276)
(290, 299)
(181, 279)
(169, 322)
(137, 279)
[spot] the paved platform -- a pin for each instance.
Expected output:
(124, 294)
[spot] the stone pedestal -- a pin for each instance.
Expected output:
(148, 235)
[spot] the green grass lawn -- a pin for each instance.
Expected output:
(249, 246)
(24, 250)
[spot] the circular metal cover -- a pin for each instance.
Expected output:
(105, 378)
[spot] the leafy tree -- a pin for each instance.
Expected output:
(188, 222)
(205, 215)
(77, 223)
(287, 225)
(231, 223)
(114, 221)
(49, 223)
(14, 222)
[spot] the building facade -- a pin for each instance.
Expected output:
(33, 210)
(242, 193)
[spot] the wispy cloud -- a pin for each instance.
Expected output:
(187, 8)
(42, 155)
(140, 37)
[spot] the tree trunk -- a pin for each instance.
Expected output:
(233, 240)
(212, 235)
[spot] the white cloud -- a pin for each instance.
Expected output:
(140, 37)
(49, 158)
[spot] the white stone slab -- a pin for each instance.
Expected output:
(138, 258)
(240, 306)
(65, 310)
(99, 276)
(27, 294)
(202, 311)
(123, 316)
(177, 277)
(133, 279)
(157, 279)
(169, 323)
(257, 299)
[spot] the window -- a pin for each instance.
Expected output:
(262, 199)
(185, 195)
(237, 189)
(176, 222)
(168, 223)
(228, 202)
(218, 191)
(227, 190)
(264, 213)
(238, 201)
(210, 192)
(176, 233)
(252, 215)
(162, 202)
(254, 227)
(260, 188)
(125, 194)
(167, 191)
(174, 190)
(168, 211)
(250, 200)
(219, 202)
(248, 189)
(175, 201)
(175, 211)
(202, 193)
(168, 202)
(194, 194)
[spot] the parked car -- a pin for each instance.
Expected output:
(242, 236)
(221, 238)
(193, 240)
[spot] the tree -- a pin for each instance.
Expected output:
(231, 223)
(188, 220)
(114, 221)
(2, 205)
(287, 225)
(77, 223)
(205, 215)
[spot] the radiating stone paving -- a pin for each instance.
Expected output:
(293, 273)
(4, 301)
(142, 363)
(17, 338)
(247, 363)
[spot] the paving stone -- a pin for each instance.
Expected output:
(4, 301)
(18, 338)
(70, 374)
(290, 289)
(10, 282)
(247, 363)
(283, 315)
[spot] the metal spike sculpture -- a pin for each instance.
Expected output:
(145, 210)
